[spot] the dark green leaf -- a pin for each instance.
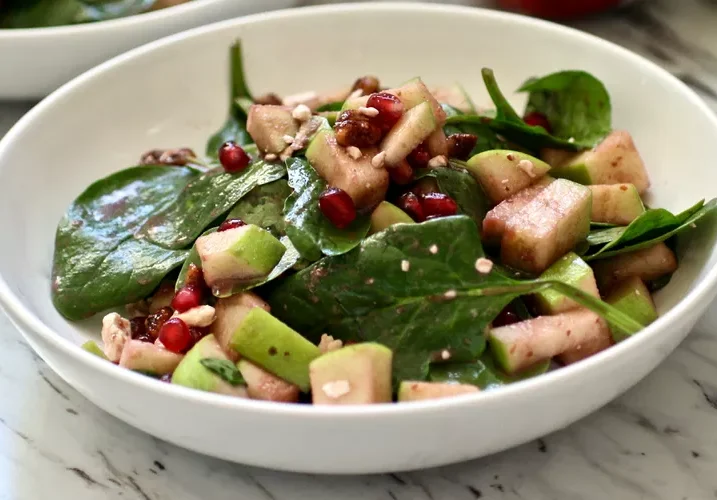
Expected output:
(46, 13)
(456, 182)
(510, 125)
(225, 369)
(95, 254)
(653, 226)
(332, 106)
(264, 207)
(576, 104)
(309, 230)
(483, 373)
(234, 129)
(210, 196)
(441, 302)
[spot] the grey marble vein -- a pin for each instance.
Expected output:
(657, 442)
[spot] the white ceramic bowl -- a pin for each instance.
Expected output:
(146, 98)
(37, 61)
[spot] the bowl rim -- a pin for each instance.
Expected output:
(135, 20)
(687, 306)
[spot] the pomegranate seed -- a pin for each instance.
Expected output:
(175, 335)
(390, 109)
(507, 316)
(155, 321)
(401, 174)
(410, 204)
(419, 157)
(338, 207)
(438, 204)
(233, 157)
(186, 298)
(138, 327)
(231, 224)
(536, 119)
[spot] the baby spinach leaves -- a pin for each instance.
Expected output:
(209, 196)
(98, 262)
(224, 369)
(653, 226)
(401, 291)
(576, 104)
(309, 230)
(482, 372)
(234, 129)
(45, 13)
(510, 125)
(264, 207)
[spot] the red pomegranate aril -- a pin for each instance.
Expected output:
(536, 119)
(410, 204)
(338, 207)
(401, 174)
(175, 335)
(233, 157)
(196, 334)
(390, 109)
(419, 157)
(507, 316)
(438, 204)
(186, 298)
(231, 224)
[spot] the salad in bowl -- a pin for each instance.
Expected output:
(374, 244)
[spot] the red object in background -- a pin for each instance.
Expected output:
(559, 9)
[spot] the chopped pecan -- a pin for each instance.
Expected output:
(356, 129)
(155, 321)
(177, 157)
(367, 84)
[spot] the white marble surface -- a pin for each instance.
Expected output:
(658, 441)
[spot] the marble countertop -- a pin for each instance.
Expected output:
(658, 441)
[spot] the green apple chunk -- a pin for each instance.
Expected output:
(365, 184)
(520, 345)
(616, 203)
(238, 255)
(647, 264)
(614, 161)
(574, 271)
(230, 312)
(632, 297)
(414, 93)
(193, 374)
(266, 386)
(496, 219)
(149, 358)
(411, 390)
(437, 143)
(92, 347)
(601, 341)
(268, 125)
(502, 173)
(414, 127)
(266, 341)
(549, 226)
(356, 374)
(387, 214)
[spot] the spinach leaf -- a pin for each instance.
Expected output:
(576, 104)
(264, 207)
(456, 182)
(225, 369)
(234, 129)
(510, 125)
(97, 263)
(203, 200)
(46, 13)
(332, 106)
(651, 227)
(441, 302)
(309, 230)
(483, 373)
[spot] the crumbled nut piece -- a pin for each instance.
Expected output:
(356, 129)
(437, 162)
(378, 160)
(200, 316)
(288, 138)
(445, 355)
(366, 84)
(405, 266)
(483, 265)
(178, 157)
(269, 98)
(336, 389)
(461, 145)
(450, 294)
(301, 113)
(354, 152)
(329, 344)
(116, 331)
(433, 249)
(370, 112)
(270, 157)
